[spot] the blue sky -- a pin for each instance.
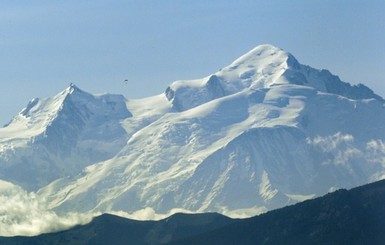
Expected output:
(45, 45)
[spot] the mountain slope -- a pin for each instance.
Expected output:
(342, 217)
(261, 133)
(263, 67)
(277, 130)
(110, 229)
(57, 137)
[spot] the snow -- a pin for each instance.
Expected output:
(59, 136)
(261, 133)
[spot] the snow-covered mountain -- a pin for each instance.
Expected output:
(261, 133)
(59, 136)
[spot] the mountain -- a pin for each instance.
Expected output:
(342, 217)
(110, 229)
(259, 134)
(56, 137)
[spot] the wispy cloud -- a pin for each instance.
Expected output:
(26, 214)
(342, 150)
(148, 214)
(23, 213)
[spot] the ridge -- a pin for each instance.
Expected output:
(261, 68)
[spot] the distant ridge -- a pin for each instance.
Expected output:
(342, 217)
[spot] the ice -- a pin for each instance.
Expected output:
(261, 133)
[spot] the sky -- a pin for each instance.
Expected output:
(45, 44)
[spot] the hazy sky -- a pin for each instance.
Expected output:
(98, 44)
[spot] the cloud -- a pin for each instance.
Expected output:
(376, 148)
(331, 142)
(26, 214)
(23, 213)
(148, 214)
(337, 149)
(243, 213)
(341, 150)
(375, 151)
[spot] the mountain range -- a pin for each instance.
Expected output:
(342, 217)
(262, 133)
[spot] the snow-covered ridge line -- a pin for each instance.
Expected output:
(58, 136)
(263, 67)
(261, 133)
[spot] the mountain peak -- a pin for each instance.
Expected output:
(278, 130)
(267, 54)
(262, 52)
(72, 87)
(261, 68)
(41, 113)
(69, 90)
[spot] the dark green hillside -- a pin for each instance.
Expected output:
(349, 217)
(109, 229)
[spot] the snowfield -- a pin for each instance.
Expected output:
(261, 133)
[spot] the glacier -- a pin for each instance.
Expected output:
(259, 134)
